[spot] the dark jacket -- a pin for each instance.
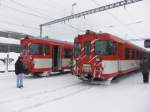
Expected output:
(144, 65)
(19, 68)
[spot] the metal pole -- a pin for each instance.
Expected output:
(41, 31)
(72, 11)
(7, 62)
(7, 57)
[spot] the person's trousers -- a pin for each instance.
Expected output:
(146, 77)
(20, 80)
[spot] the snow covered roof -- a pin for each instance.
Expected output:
(4, 40)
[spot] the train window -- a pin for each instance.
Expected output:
(140, 55)
(127, 53)
(77, 49)
(137, 54)
(114, 48)
(35, 49)
(67, 53)
(87, 47)
(46, 49)
(133, 54)
(103, 47)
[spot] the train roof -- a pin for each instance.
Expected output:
(103, 36)
(111, 37)
(54, 41)
(4, 40)
(126, 42)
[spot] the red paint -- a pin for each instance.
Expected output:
(119, 53)
(28, 58)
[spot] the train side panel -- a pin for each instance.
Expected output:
(46, 55)
(104, 56)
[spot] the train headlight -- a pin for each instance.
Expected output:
(77, 59)
(98, 59)
(31, 57)
(86, 68)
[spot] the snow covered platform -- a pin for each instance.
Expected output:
(66, 93)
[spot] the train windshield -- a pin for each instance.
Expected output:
(103, 47)
(77, 47)
(87, 47)
(35, 49)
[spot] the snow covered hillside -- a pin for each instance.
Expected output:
(66, 93)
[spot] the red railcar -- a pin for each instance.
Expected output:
(46, 55)
(104, 56)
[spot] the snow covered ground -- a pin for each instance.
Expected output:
(65, 93)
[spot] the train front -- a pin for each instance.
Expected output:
(27, 59)
(89, 55)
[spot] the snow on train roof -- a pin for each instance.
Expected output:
(5, 40)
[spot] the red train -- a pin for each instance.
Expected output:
(105, 56)
(46, 55)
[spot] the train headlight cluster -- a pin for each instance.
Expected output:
(86, 68)
(98, 59)
(31, 57)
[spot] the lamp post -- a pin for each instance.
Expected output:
(72, 11)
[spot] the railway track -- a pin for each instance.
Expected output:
(37, 93)
(48, 96)
(51, 100)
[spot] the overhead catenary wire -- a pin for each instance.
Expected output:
(126, 24)
(20, 25)
(61, 6)
(114, 17)
(54, 8)
(139, 39)
(91, 11)
(75, 28)
(23, 12)
(131, 17)
(65, 23)
(28, 13)
(11, 30)
(28, 7)
(117, 19)
(68, 25)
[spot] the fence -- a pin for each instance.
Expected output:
(7, 61)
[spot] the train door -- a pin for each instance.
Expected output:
(119, 55)
(59, 58)
(56, 57)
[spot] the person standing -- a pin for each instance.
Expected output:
(144, 65)
(19, 71)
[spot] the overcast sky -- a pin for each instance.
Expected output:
(25, 16)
